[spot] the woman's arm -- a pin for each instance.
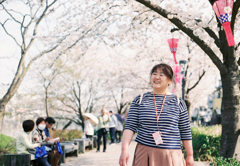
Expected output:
(127, 138)
(25, 141)
(188, 146)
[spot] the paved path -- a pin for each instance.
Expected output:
(109, 158)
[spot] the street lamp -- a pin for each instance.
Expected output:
(183, 64)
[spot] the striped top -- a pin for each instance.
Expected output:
(173, 122)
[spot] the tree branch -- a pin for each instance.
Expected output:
(237, 46)
(213, 35)
(38, 22)
(10, 15)
(188, 90)
(1, 1)
(9, 33)
(236, 6)
(67, 105)
(115, 100)
(189, 32)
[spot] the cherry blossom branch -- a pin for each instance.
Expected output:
(189, 32)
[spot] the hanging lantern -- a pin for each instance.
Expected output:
(178, 76)
(223, 10)
(176, 69)
(173, 43)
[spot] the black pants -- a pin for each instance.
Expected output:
(118, 138)
(100, 133)
(112, 134)
(41, 162)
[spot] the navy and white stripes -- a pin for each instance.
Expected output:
(173, 123)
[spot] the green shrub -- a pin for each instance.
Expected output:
(66, 135)
(206, 143)
(220, 161)
(7, 145)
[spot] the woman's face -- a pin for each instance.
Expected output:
(159, 80)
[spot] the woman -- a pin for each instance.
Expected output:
(119, 129)
(88, 128)
(39, 136)
(162, 122)
(103, 123)
(24, 141)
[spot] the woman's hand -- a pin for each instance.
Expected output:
(189, 161)
(47, 139)
(124, 158)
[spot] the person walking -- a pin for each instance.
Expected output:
(119, 129)
(88, 128)
(103, 123)
(161, 121)
(112, 125)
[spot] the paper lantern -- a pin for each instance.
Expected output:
(178, 76)
(223, 10)
(173, 43)
(176, 69)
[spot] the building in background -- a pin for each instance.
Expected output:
(212, 114)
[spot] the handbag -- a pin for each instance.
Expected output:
(40, 152)
(59, 148)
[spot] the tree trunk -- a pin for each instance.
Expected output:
(46, 101)
(2, 113)
(188, 104)
(230, 115)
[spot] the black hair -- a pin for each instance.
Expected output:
(39, 120)
(166, 69)
(110, 111)
(28, 125)
(50, 120)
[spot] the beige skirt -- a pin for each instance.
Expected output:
(148, 156)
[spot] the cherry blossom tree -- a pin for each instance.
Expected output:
(48, 26)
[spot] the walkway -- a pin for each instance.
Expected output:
(109, 158)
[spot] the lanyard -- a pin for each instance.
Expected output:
(157, 116)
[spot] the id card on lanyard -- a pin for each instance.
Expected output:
(157, 135)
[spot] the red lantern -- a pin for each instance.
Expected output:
(223, 10)
(178, 76)
(176, 69)
(173, 43)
